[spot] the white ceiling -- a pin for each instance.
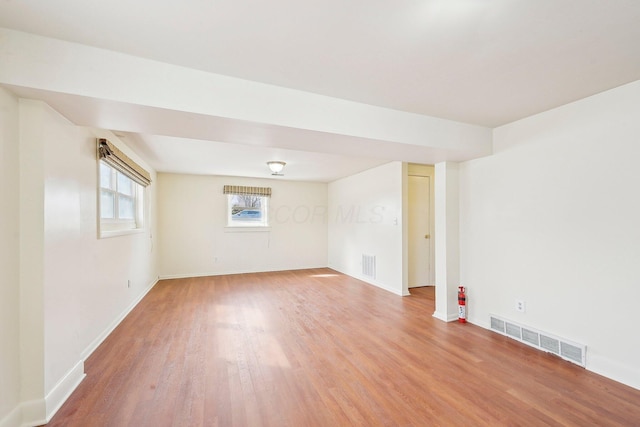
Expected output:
(484, 62)
(240, 160)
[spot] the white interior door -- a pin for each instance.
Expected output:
(419, 231)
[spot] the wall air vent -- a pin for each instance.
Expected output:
(575, 353)
(369, 266)
(571, 352)
(513, 331)
(530, 337)
(550, 344)
(497, 325)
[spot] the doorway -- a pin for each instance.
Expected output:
(420, 226)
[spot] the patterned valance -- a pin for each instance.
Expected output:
(242, 190)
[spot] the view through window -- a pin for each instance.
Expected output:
(247, 210)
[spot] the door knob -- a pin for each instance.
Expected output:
(426, 236)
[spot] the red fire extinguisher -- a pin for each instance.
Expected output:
(462, 305)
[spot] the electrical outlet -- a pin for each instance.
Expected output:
(128, 283)
(520, 306)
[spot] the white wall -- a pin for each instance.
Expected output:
(31, 262)
(72, 285)
(194, 239)
(447, 230)
(366, 217)
(9, 259)
(552, 219)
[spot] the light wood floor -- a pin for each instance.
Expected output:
(316, 348)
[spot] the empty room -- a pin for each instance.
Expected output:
(287, 213)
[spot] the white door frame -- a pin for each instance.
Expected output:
(429, 172)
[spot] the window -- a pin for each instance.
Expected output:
(121, 201)
(247, 206)
(121, 192)
(247, 211)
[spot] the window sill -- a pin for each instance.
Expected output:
(246, 229)
(116, 233)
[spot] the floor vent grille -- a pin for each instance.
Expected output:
(369, 265)
(568, 350)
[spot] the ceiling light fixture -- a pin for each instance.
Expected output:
(276, 168)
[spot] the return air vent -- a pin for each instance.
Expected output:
(497, 325)
(550, 344)
(572, 352)
(513, 331)
(530, 337)
(568, 350)
(369, 265)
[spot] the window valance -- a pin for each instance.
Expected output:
(242, 190)
(111, 155)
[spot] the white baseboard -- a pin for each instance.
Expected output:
(61, 392)
(375, 283)
(100, 338)
(187, 275)
(226, 273)
(440, 316)
(616, 371)
(451, 317)
(33, 413)
(13, 418)
(625, 374)
(381, 286)
(40, 411)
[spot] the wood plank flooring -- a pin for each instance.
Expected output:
(317, 348)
